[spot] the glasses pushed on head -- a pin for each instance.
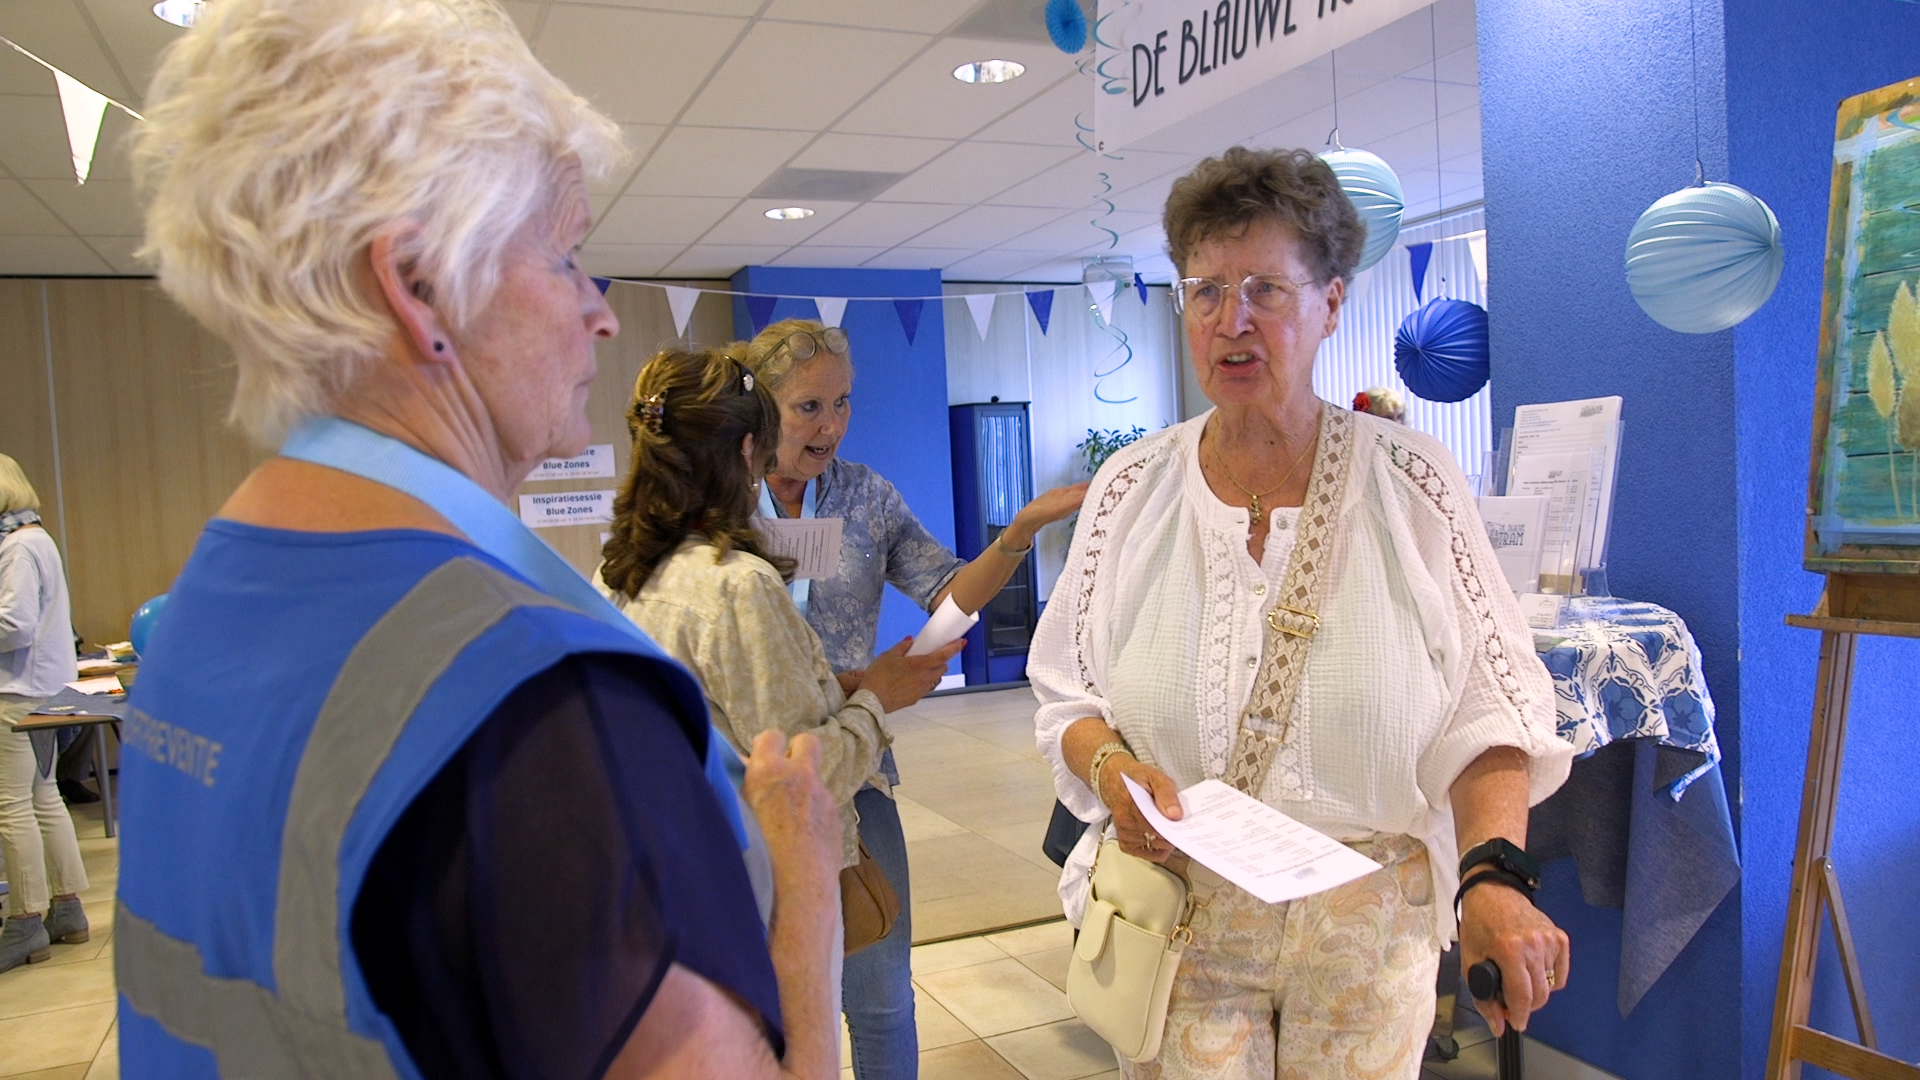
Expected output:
(803, 344)
(1267, 294)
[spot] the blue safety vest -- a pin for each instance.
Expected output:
(249, 823)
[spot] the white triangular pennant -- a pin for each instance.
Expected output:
(680, 301)
(1478, 246)
(980, 305)
(84, 107)
(1103, 297)
(832, 309)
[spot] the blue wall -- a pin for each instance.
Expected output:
(1789, 64)
(899, 423)
(1587, 117)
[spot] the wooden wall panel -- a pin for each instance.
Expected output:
(26, 420)
(146, 453)
(646, 326)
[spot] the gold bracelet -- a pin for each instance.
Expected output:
(1001, 543)
(1100, 756)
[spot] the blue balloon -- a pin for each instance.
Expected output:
(145, 618)
(1066, 25)
(1441, 350)
(1704, 258)
(1374, 189)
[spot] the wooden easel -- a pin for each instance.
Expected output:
(1854, 604)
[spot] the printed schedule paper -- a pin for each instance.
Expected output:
(1253, 845)
(812, 543)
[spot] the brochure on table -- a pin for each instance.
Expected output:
(1549, 507)
(1589, 428)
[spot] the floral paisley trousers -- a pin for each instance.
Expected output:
(1336, 986)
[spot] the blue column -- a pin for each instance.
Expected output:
(1588, 115)
(899, 424)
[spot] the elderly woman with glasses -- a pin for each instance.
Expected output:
(404, 796)
(1300, 601)
(808, 368)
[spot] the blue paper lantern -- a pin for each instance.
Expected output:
(1067, 25)
(145, 618)
(1374, 190)
(1441, 350)
(1704, 258)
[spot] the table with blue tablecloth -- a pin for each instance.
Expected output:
(1644, 813)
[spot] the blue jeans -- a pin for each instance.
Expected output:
(877, 990)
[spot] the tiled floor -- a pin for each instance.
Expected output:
(974, 800)
(56, 1018)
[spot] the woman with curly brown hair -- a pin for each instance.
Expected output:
(685, 564)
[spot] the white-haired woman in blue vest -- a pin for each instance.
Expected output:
(403, 795)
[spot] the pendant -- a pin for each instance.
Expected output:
(1255, 511)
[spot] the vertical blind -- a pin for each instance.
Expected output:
(1360, 354)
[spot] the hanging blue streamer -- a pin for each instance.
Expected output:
(1441, 350)
(601, 284)
(760, 311)
(1421, 255)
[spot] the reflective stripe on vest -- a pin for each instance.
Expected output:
(302, 1030)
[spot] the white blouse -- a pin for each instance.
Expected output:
(1421, 662)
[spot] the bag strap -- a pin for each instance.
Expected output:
(1294, 618)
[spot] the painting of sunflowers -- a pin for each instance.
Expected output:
(1866, 463)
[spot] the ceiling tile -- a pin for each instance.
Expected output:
(118, 250)
(922, 16)
(869, 153)
(657, 219)
(600, 52)
(716, 7)
(639, 139)
(715, 161)
(136, 38)
(777, 78)
(824, 255)
(1240, 118)
(974, 171)
(96, 208)
(991, 265)
(985, 226)
(23, 215)
(721, 260)
(925, 99)
(1049, 119)
(918, 258)
(884, 225)
(1050, 271)
(50, 255)
(54, 31)
(628, 260)
(1076, 231)
(749, 224)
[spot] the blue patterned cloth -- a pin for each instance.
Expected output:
(1630, 670)
(1644, 814)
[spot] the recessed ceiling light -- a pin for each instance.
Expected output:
(178, 12)
(989, 71)
(789, 213)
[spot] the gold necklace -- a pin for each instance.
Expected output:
(1254, 508)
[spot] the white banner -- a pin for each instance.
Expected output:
(1171, 59)
(546, 510)
(597, 462)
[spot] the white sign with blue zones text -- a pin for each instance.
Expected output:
(596, 463)
(553, 508)
(1162, 61)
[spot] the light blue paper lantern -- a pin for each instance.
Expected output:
(1704, 258)
(1374, 190)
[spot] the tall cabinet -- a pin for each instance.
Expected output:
(992, 480)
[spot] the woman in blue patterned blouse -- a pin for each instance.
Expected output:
(807, 366)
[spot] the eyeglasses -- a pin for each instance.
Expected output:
(1269, 294)
(803, 345)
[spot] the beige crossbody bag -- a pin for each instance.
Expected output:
(1137, 920)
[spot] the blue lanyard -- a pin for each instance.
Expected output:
(808, 505)
(491, 527)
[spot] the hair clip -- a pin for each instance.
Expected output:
(746, 382)
(653, 413)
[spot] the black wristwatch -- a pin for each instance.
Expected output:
(1506, 855)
